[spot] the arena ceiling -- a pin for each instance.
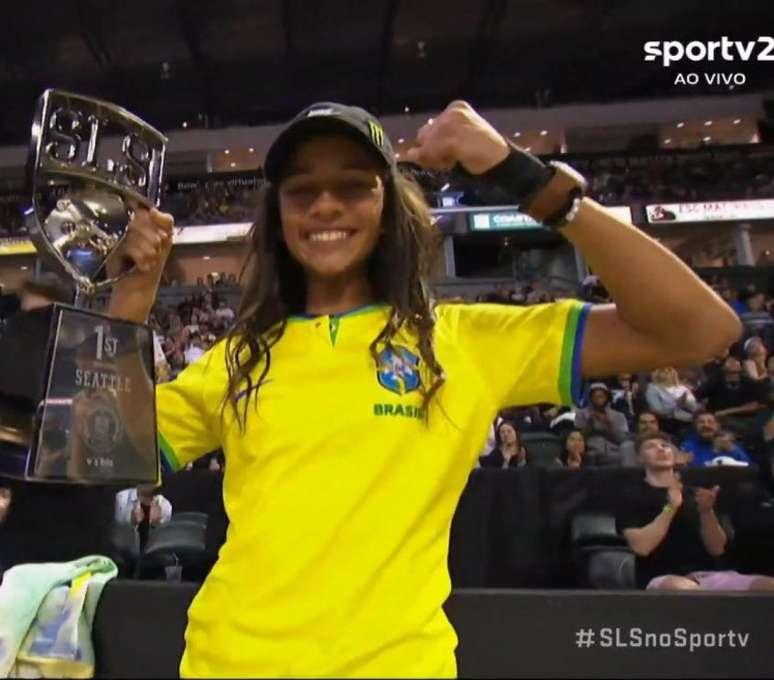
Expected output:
(232, 62)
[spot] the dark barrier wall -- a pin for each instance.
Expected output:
(138, 633)
(511, 528)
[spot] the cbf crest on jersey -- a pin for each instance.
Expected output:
(398, 370)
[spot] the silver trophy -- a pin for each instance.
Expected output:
(76, 388)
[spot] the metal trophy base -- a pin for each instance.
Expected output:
(77, 399)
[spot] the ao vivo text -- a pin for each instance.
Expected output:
(710, 79)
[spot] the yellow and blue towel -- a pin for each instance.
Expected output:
(46, 616)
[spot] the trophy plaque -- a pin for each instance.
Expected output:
(77, 400)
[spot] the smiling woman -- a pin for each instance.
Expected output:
(351, 410)
(331, 202)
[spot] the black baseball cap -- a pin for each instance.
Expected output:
(328, 117)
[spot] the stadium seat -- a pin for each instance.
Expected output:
(199, 518)
(543, 448)
(611, 569)
(600, 553)
(175, 543)
(595, 528)
(125, 548)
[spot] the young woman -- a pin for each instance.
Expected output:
(336, 558)
(671, 401)
(573, 449)
(508, 450)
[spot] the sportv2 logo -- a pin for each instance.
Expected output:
(725, 49)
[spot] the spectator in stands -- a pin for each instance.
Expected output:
(647, 423)
(755, 318)
(508, 450)
(713, 370)
(673, 530)
(225, 313)
(727, 451)
(734, 399)
(671, 401)
(692, 377)
(604, 428)
(702, 444)
(573, 449)
(624, 396)
(755, 366)
(195, 349)
(142, 508)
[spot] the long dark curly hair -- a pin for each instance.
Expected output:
(274, 288)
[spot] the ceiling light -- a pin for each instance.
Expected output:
(251, 150)
(227, 151)
(737, 121)
(206, 257)
(706, 139)
(707, 123)
(681, 124)
(406, 109)
(401, 140)
(445, 186)
(517, 134)
(185, 123)
(233, 165)
(24, 267)
(543, 133)
(397, 155)
(667, 141)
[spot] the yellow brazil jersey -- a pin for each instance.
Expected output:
(340, 497)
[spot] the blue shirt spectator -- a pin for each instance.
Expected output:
(704, 451)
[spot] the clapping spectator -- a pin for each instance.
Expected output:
(706, 442)
(671, 401)
(604, 428)
(508, 451)
(673, 530)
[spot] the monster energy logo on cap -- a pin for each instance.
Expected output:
(319, 118)
(377, 133)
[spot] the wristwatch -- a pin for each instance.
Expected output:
(556, 203)
(550, 193)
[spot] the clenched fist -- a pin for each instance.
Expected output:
(458, 135)
(147, 244)
(148, 240)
